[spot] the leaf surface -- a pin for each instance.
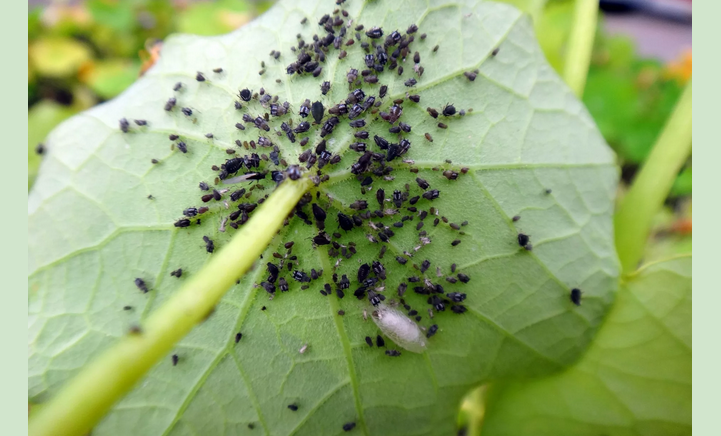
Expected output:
(93, 231)
(635, 379)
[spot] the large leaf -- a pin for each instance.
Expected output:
(635, 379)
(93, 231)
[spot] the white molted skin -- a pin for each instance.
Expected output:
(399, 328)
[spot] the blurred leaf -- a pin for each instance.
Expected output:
(213, 18)
(682, 185)
(34, 24)
(553, 29)
(115, 14)
(634, 380)
(58, 56)
(42, 118)
(109, 78)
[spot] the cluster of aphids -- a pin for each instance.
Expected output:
(265, 115)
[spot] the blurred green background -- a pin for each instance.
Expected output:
(87, 52)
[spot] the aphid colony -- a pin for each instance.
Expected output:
(261, 164)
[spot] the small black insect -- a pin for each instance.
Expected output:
(464, 278)
(459, 309)
(379, 270)
(238, 337)
(200, 77)
(456, 297)
(397, 198)
(393, 353)
(325, 87)
(358, 124)
(516, 218)
(301, 276)
(140, 283)
(293, 407)
(523, 240)
(449, 110)
(177, 273)
(303, 126)
(381, 142)
(175, 359)
(170, 104)
(321, 239)
(177, 86)
(374, 298)
(245, 94)
(182, 223)
(363, 272)
(470, 75)
(495, 51)
(431, 195)
(187, 111)
(345, 221)
(209, 245)
(374, 33)
(576, 296)
(317, 110)
(369, 341)
(348, 426)
(124, 125)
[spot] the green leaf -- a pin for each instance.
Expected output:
(635, 379)
(93, 231)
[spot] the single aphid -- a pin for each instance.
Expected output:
(369, 341)
(177, 273)
(523, 240)
(140, 283)
(175, 359)
(576, 296)
(348, 426)
(399, 328)
(293, 407)
(393, 353)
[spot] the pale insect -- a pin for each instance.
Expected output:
(399, 328)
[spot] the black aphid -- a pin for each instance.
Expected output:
(209, 245)
(141, 122)
(177, 273)
(495, 51)
(363, 272)
(380, 196)
(269, 288)
(200, 77)
(449, 110)
(425, 265)
(516, 218)
(411, 82)
(523, 240)
(470, 75)
(397, 198)
(457, 308)
(464, 278)
(374, 33)
(303, 126)
(431, 195)
(348, 426)
(187, 111)
(170, 104)
(374, 298)
(190, 212)
(325, 87)
(379, 270)
(140, 283)
(301, 276)
(283, 284)
(182, 223)
(238, 337)
(321, 239)
(393, 353)
(293, 407)
(344, 282)
(245, 94)
(456, 297)
(345, 221)
(381, 142)
(317, 110)
(369, 341)
(177, 86)
(124, 125)
(380, 342)
(358, 124)
(175, 359)
(576, 296)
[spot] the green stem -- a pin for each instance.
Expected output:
(87, 397)
(580, 45)
(473, 408)
(653, 183)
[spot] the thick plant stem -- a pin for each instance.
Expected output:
(652, 185)
(87, 397)
(580, 45)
